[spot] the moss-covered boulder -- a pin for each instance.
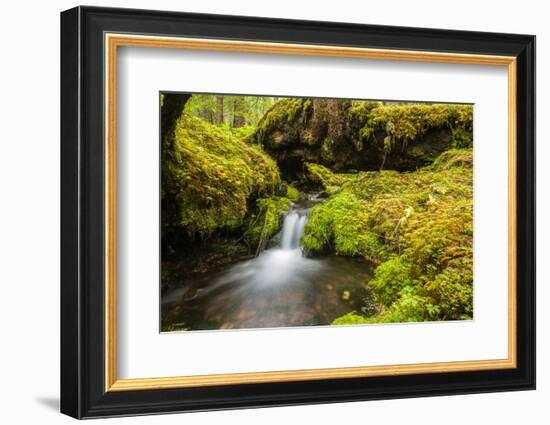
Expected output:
(213, 179)
(361, 135)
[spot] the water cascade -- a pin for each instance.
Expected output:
(293, 228)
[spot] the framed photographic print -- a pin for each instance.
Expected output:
(261, 212)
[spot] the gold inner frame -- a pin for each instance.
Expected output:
(113, 41)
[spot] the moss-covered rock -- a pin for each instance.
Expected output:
(213, 177)
(266, 222)
(417, 226)
(292, 193)
(340, 225)
(318, 175)
(361, 135)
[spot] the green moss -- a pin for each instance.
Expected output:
(451, 293)
(454, 158)
(174, 328)
(350, 319)
(307, 138)
(267, 221)
(284, 112)
(410, 307)
(341, 225)
(462, 127)
(243, 133)
(322, 176)
(360, 109)
(212, 175)
(390, 279)
(418, 226)
(405, 123)
(292, 193)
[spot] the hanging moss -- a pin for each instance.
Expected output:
(214, 174)
(361, 109)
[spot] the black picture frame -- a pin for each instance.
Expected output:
(83, 392)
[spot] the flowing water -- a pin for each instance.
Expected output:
(278, 288)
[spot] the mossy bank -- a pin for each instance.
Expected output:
(417, 226)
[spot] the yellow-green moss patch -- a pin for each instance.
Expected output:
(418, 226)
(214, 174)
(405, 123)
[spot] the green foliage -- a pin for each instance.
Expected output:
(223, 109)
(213, 175)
(202, 106)
(418, 226)
(255, 107)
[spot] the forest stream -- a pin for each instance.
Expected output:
(280, 287)
(246, 243)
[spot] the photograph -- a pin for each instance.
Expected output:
(307, 211)
(284, 210)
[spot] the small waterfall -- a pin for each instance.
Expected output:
(293, 229)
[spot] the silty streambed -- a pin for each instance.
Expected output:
(279, 288)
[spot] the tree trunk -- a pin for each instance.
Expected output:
(238, 118)
(171, 110)
(208, 116)
(219, 110)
